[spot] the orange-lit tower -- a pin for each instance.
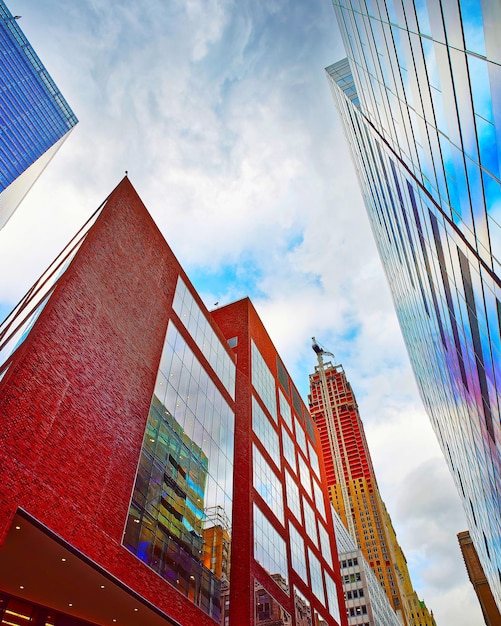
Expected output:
(352, 483)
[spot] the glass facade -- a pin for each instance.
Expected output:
(420, 95)
(289, 517)
(34, 116)
(270, 549)
(263, 381)
(179, 519)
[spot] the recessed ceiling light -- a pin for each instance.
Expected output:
(63, 559)
(136, 609)
(70, 603)
(18, 527)
(21, 586)
(102, 586)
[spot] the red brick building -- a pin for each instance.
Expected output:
(137, 450)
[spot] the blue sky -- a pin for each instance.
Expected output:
(221, 113)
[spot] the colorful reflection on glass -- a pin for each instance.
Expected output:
(179, 519)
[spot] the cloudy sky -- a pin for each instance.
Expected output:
(221, 113)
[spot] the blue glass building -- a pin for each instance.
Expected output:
(420, 98)
(34, 117)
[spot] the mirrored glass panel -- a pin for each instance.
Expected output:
(302, 609)
(204, 336)
(263, 381)
(267, 611)
(292, 494)
(270, 549)
(179, 519)
(285, 409)
(332, 597)
(298, 554)
(316, 576)
(265, 432)
(267, 484)
(289, 450)
(300, 436)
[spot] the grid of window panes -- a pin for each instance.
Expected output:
(304, 475)
(310, 522)
(292, 495)
(316, 577)
(298, 555)
(332, 597)
(303, 494)
(263, 381)
(300, 436)
(269, 548)
(265, 432)
(424, 144)
(313, 459)
(184, 477)
(34, 114)
(319, 498)
(267, 609)
(289, 450)
(285, 409)
(267, 484)
(325, 543)
(214, 351)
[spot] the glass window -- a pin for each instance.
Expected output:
(297, 552)
(473, 26)
(285, 409)
(282, 375)
(270, 549)
(304, 474)
(266, 609)
(183, 491)
(289, 450)
(267, 484)
(302, 607)
(332, 597)
(309, 522)
(265, 432)
(319, 498)
(300, 436)
(313, 459)
(316, 577)
(292, 494)
(325, 544)
(204, 336)
(263, 381)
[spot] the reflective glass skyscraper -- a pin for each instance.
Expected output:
(34, 117)
(420, 98)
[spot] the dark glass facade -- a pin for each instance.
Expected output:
(420, 97)
(34, 116)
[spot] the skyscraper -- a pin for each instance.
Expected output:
(34, 117)
(366, 600)
(420, 99)
(353, 487)
(150, 477)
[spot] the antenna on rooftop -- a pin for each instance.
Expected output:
(320, 352)
(333, 423)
